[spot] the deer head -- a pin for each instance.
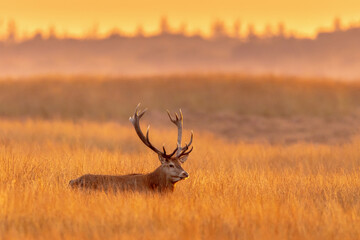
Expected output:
(170, 163)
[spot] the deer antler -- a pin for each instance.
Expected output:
(178, 121)
(135, 120)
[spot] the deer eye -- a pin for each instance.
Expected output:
(171, 165)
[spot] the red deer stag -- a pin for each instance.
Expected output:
(162, 179)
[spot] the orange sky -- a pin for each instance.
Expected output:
(78, 16)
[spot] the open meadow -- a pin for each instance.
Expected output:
(274, 158)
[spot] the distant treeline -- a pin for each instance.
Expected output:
(334, 54)
(218, 30)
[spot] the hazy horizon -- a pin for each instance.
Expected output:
(238, 28)
(297, 38)
(79, 17)
(332, 54)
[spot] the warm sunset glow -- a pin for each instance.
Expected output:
(82, 17)
(270, 96)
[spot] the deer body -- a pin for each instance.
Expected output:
(159, 180)
(162, 179)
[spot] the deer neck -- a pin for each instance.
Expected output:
(158, 180)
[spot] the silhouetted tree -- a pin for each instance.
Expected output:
(164, 26)
(139, 31)
(236, 29)
(197, 33)
(115, 33)
(52, 32)
(281, 30)
(183, 29)
(1, 23)
(65, 34)
(268, 31)
(11, 31)
(337, 24)
(38, 35)
(93, 33)
(218, 29)
(251, 35)
(353, 25)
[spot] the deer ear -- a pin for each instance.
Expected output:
(183, 158)
(162, 160)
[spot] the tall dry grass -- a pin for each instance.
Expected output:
(235, 191)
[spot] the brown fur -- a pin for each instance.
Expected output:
(158, 180)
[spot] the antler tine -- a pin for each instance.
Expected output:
(189, 150)
(137, 109)
(137, 115)
(135, 120)
(183, 152)
(142, 112)
(181, 115)
(187, 145)
(178, 121)
(148, 143)
(191, 138)
(172, 120)
(164, 149)
(172, 154)
(147, 133)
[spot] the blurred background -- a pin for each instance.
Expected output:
(308, 38)
(278, 72)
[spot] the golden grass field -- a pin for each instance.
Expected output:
(239, 188)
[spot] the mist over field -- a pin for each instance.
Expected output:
(332, 53)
